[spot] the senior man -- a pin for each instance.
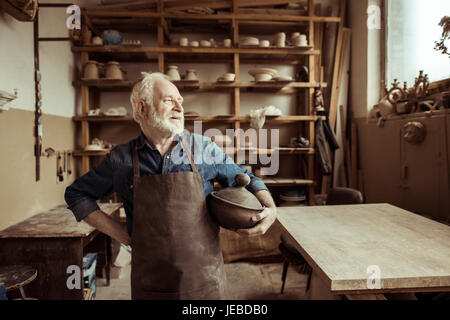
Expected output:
(164, 177)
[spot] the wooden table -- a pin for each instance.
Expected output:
(51, 242)
(348, 245)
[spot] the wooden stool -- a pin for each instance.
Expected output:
(15, 277)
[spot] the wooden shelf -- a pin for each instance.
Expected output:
(226, 119)
(184, 50)
(286, 182)
(237, 16)
(82, 153)
(270, 85)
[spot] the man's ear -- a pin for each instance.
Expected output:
(141, 108)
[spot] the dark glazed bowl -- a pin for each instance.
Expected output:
(234, 207)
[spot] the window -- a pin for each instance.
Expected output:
(412, 30)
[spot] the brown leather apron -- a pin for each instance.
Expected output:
(176, 251)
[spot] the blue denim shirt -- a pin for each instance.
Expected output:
(115, 172)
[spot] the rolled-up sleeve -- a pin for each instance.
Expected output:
(227, 169)
(82, 194)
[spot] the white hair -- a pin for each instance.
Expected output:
(143, 91)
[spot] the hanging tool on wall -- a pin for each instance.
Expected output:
(69, 163)
(38, 102)
(59, 168)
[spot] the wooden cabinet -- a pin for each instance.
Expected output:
(413, 177)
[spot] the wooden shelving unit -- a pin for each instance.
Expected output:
(164, 20)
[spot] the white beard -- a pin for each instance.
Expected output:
(155, 121)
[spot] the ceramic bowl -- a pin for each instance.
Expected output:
(205, 43)
(234, 207)
(93, 147)
(270, 71)
(264, 43)
(229, 77)
(263, 74)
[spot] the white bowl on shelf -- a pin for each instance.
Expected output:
(93, 147)
(263, 74)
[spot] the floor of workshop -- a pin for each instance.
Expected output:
(246, 281)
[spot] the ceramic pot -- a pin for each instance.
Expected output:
(113, 71)
(281, 39)
(97, 41)
(263, 77)
(301, 41)
(294, 36)
(191, 75)
(194, 44)
(264, 43)
(227, 43)
(173, 73)
(234, 207)
(112, 38)
(91, 70)
(184, 42)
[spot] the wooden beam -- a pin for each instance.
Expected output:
(198, 4)
(337, 63)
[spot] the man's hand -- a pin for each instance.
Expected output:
(106, 224)
(265, 218)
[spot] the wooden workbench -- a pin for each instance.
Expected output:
(345, 244)
(52, 241)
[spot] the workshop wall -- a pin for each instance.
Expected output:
(20, 195)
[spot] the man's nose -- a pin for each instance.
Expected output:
(179, 106)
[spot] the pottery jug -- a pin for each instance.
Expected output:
(91, 70)
(113, 71)
(191, 75)
(173, 73)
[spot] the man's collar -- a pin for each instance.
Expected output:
(143, 141)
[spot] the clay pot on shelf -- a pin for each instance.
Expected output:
(191, 75)
(173, 73)
(281, 39)
(113, 71)
(97, 41)
(91, 70)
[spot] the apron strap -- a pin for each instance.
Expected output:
(135, 161)
(189, 152)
